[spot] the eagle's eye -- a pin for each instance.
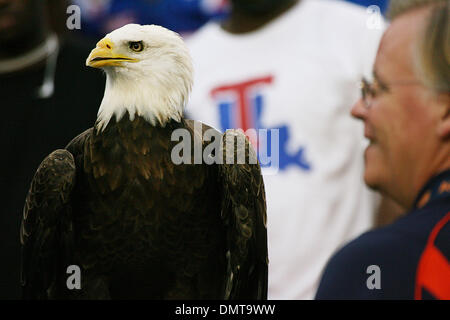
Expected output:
(136, 46)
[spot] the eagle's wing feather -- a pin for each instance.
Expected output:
(76, 146)
(46, 230)
(244, 214)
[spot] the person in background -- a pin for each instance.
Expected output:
(47, 96)
(406, 114)
(292, 67)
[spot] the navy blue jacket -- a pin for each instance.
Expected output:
(409, 259)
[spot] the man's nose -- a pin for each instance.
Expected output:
(359, 110)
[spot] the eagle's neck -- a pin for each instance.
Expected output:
(147, 96)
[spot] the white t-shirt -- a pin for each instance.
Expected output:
(298, 74)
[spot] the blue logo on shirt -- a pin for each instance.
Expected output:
(241, 106)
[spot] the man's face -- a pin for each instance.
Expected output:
(399, 123)
(17, 17)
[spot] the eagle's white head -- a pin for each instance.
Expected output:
(148, 73)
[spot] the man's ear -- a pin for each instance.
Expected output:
(444, 123)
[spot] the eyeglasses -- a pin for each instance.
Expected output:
(370, 90)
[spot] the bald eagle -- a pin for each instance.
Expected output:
(114, 204)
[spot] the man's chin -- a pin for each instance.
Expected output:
(371, 178)
(372, 185)
(372, 166)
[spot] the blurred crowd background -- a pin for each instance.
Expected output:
(184, 16)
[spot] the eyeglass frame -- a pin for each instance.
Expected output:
(368, 90)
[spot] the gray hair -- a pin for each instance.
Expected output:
(433, 51)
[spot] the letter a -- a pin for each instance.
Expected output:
(74, 20)
(182, 147)
(74, 280)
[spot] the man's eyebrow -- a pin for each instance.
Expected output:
(377, 78)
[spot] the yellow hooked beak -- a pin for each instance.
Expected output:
(105, 55)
